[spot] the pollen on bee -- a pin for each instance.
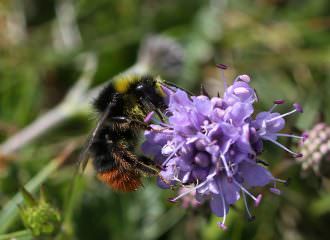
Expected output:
(123, 181)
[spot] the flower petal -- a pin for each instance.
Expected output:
(217, 205)
(254, 175)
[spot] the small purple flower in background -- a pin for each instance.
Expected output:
(210, 147)
(189, 200)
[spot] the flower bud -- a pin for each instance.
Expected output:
(316, 149)
(38, 215)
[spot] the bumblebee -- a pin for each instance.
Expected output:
(122, 106)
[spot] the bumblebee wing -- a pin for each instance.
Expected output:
(84, 156)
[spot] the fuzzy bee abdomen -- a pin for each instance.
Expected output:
(123, 181)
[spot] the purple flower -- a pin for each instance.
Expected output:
(240, 92)
(210, 146)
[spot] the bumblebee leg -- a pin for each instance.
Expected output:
(130, 161)
(153, 170)
(148, 161)
(159, 114)
(129, 121)
(144, 167)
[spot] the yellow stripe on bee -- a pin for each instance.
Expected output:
(122, 83)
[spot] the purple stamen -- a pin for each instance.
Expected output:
(149, 117)
(275, 191)
(255, 199)
(281, 116)
(276, 103)
(281, 146)
(173, 153)
(258, 200)
(221, 66)
(246, 206)
(298, 155)
(298, 107)
(304, 136)
(209, 178)
(224, 208)
(182, 195)
(222, 226)
(272, 108)
(289, 135)
(172, 200)
(279, 101)
(285, 182)
(229, 174)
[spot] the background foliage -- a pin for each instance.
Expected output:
(282, 44)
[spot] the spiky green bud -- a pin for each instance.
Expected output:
(38, 215)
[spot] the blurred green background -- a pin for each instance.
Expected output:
(46, 46)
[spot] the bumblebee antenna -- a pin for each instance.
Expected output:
(176, 86)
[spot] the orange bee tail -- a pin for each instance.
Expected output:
(121, 180)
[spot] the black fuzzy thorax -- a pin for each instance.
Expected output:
(126, 101)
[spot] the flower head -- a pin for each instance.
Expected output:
(211, 146)
(316, 149)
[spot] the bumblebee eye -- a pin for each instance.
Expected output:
(140, 89)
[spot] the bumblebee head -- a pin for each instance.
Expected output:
(149, 90)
